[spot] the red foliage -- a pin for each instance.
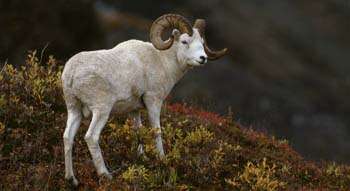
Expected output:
(197, 113)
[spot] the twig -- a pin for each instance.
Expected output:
(50, 172)
(42, 52)
(3, 68)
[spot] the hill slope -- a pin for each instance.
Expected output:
(203, 150)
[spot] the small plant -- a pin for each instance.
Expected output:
(30, 94)
(333, 170)
(2, 128)
(136, 176)
(257, 177)
(200, 136)
(286, 169)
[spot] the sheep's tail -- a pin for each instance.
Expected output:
(66, 78)
(69, 71)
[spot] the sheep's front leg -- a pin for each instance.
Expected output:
(154, 105)
(137, 124)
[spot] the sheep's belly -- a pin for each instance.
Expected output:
(127, 105)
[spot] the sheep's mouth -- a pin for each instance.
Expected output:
(200, 62)
(195, 63)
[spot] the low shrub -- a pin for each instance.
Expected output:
(203, 150)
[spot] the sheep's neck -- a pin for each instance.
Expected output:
(174, 68)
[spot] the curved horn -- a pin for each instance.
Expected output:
(164, 22)
(199, 24)
(212, 55)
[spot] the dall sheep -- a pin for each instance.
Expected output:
(131, 76)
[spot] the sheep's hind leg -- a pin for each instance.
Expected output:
(73, 123)
(137, 124)
(99, 119)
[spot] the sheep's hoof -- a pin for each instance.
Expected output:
(105, 179)
(107, 175)
(161, 155)
(72, 181)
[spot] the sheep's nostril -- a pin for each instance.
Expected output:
(203, 59)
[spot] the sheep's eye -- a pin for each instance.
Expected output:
(184, 42)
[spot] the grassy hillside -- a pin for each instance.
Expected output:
(203, 150)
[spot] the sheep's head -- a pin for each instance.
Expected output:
(190, 41)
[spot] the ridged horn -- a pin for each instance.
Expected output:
(212, 55)
(168, 21)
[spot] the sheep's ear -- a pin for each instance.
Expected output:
(176, 34)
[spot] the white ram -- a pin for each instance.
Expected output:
(131, 76)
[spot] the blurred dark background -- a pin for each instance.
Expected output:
(286, 74)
